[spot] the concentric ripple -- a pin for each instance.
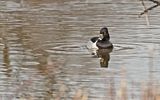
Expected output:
(68, 49)
(118, 47)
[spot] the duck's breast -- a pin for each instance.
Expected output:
(104, 44)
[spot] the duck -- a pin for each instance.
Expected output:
(100, 42)
(104, 42)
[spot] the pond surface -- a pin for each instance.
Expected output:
(43, 53)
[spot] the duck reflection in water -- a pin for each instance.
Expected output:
(101, 46)
(104, 55)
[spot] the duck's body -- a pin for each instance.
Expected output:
(102, 42)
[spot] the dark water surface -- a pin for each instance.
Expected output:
(43, 54)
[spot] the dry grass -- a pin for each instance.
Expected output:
(81, 95)
(148, 92)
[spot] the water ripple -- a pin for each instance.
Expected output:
(69, 49)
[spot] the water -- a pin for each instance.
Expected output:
(43, 53)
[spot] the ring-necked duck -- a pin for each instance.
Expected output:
(101, 42)
(104, 43)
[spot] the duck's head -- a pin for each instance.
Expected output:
(104, 34)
